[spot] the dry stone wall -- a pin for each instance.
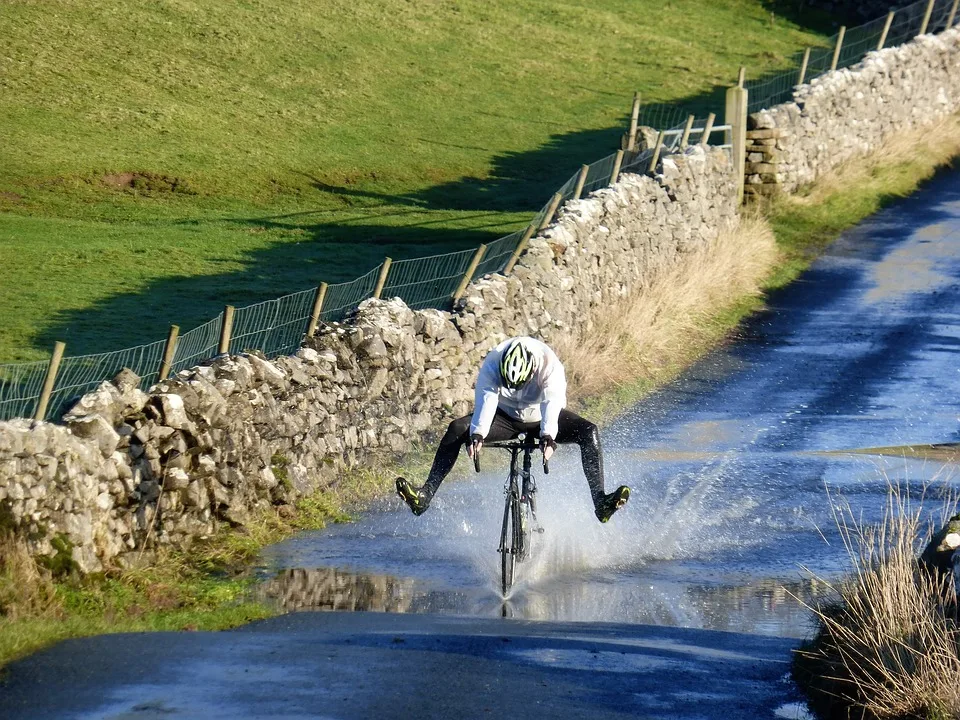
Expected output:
(850, 113)
(130, 470)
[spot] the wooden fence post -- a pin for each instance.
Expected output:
(382, 279)
(634, 118)
(741, 76)
(317, 309)
(617, 162)
(551, 210)
(953, 14)
(226, 330)
(468, 275)
(803, 67)
(886, 30)
(707, 129)
(521, 246)
(168, 352)
(685, 138)
(581, 179)
(48, 382)
(837, 47)
(736, 118)
(926, 17)
(655, 158)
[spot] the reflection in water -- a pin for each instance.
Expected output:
(333, 589)
(763, 607)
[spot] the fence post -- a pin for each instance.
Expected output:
(52, 369)
(226, 330)
(926, 17)
(382, 279)
(685, 138)
(617, 162)
(741, 76)
(634, 118)
(836, 49)
(886, 29)
(803, 67)
(168, 350)
(707, 129)
(317, 308)
(521, 246)
(736, 118)
(581, 179)
(655, 158)
(551, 210)
(468, 275)
(952, 15)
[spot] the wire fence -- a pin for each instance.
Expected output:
(277, 327)
(904, 26)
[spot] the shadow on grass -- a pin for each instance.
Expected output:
(401, 226)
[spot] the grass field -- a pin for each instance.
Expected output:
(162, 159)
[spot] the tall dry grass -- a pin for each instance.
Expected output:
(888, 646)
(934, 146)
(26, 589)
(651, 335)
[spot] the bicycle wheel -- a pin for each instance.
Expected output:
(509, 541)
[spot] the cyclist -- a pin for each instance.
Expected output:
(521, 388)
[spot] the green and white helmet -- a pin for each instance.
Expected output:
(517, 363)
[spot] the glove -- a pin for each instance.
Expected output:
(476, 442)
(547, 446)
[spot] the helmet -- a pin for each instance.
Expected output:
(517, 363)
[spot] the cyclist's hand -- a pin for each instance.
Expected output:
(547, 446)
(473, 447)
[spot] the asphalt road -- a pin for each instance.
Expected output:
(377, 665)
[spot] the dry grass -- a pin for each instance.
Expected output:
(933, 146)
(888, 647)
(650, 336)
(26, 590)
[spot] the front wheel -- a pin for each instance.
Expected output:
(511, 541)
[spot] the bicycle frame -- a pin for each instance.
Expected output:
(519, 511)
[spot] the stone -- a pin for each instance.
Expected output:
(97, 429)
(172, 411)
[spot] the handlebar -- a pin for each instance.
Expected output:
(527, 444)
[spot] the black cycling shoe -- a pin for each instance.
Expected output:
(612, 502)
(417, 501)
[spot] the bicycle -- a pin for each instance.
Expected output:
(520, 509)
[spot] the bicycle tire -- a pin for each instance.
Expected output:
(509, 541)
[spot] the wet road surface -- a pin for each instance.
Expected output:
(730, 469)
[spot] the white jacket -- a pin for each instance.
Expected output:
(540, 399)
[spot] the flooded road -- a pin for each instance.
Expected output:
(730, 524)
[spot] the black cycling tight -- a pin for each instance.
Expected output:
(571, 429)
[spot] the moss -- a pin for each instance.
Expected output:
(7, 521)
(61, 563)
(278, 464)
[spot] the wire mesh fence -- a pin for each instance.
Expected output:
(20, 386)
(274, 327)
(278, 326)
(427, 282)
(83, 373)
(906, 24)
(199, 344)
(343, 297)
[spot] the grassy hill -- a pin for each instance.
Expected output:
(164, 158)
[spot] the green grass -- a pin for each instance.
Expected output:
(208, 587)
(284, 144)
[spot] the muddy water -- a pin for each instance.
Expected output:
(736, 469)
